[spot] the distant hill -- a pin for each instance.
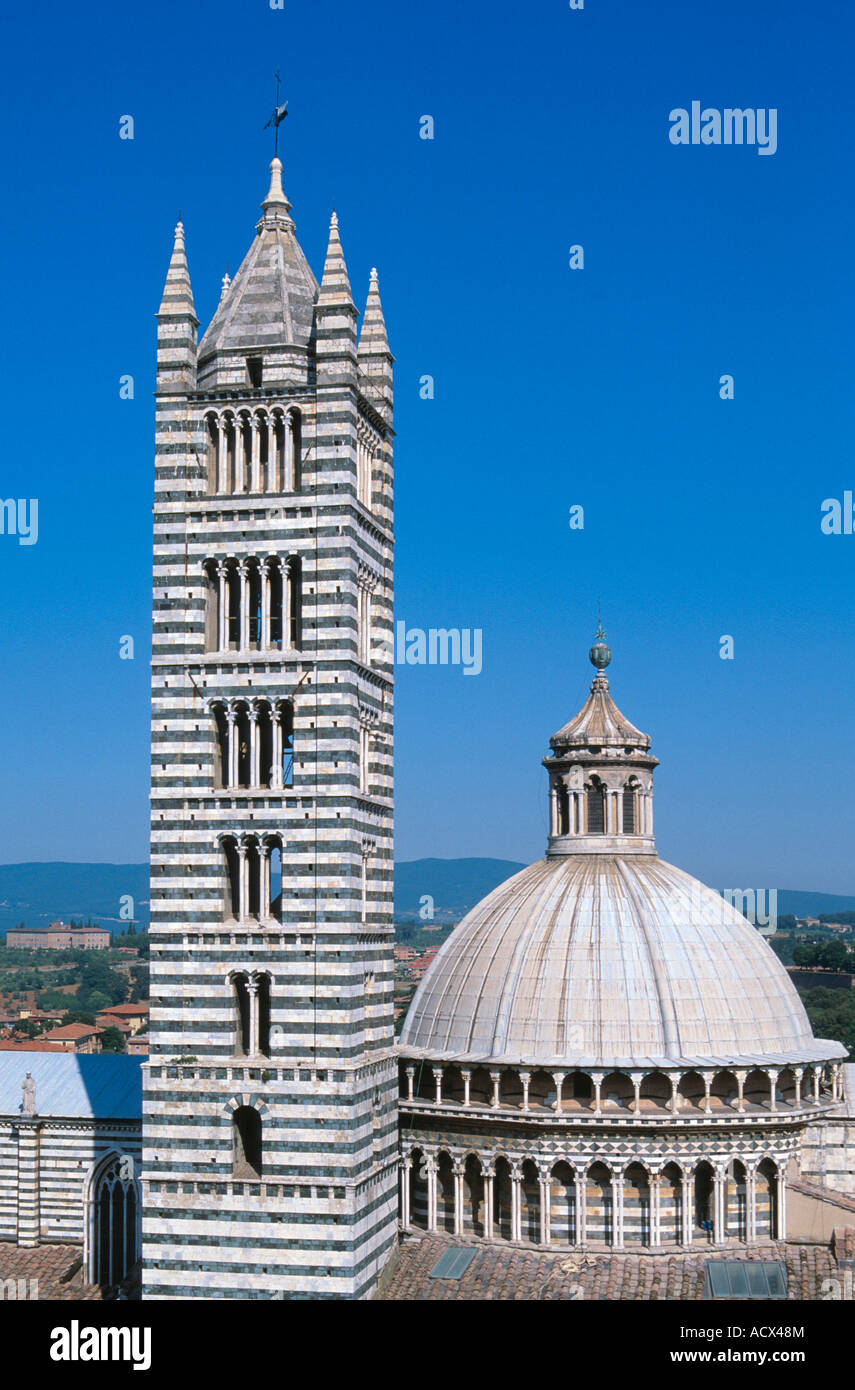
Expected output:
(454, 884)
(37, 894)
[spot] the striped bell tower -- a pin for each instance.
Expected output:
(270, 1110)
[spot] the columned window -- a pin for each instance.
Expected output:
(254, 744)
(253, 877)
(252, 1014)
(253, 605)
(253, 451)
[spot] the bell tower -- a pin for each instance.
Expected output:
(270, 1109)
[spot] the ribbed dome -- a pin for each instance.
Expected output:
(602, 960)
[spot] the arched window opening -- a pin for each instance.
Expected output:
(243, 1039)
(232, 884)
(563, 810)
(276, 881)
(263, 985)
(232, 608)
(286, 725)
(596, 809)
(242, 733)
(629, 816)
(295, 420)
(246, 1136)
(295, 603)
(114, 1227)
(211, 440)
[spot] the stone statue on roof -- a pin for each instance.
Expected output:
(28, 1086)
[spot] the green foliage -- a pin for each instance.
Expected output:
(28, 1026)
(824, 955)
(832, 1014)
(112, 1040)
(77, 1016)
(784, 948)
(139, 976)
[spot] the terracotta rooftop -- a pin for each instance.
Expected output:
(514, 1274)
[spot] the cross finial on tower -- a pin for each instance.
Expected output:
(280, 111)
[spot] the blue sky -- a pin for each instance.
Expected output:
(554, 387)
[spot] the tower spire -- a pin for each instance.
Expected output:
(335, 283)
(373, 356)
(177, 324)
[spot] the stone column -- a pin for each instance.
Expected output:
(489, 1182)
(773, 1086)
(496, 1078)
(223, 611)
(28, 1134)
(287, 602)
(406, 1166)
(411, 1076)
(580, 1183)
(719, 1231)
(255, 466)
(516, 1202)
(617, 1209)
(674, 1102)
(430, 1163)
(252, 993)
(243, 571)
(231, 776)
(276, 770)
(222, 456)
(740, 1086)
(288, 460)
(597, 1077)
(272, 460)
(264, 895)
(553, 809)
(655, 1180)
(437, 1082)
(545, 1205)
(687, 1218)
(558, 1078)
(798, 1073)
(467, 1081)
(254, 748)
(816, 1074)
(240, 456)
(243, 884)
(458, 1197)
(264, 572)
(707, 1079)
(636, 1086)
(750, 1206)
(525, 1078)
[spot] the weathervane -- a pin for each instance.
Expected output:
(279, 113)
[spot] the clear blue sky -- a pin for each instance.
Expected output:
(553, 388)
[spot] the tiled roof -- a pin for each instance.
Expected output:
(511, 1273)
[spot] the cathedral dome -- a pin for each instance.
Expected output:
(605, 961)
(602, 955)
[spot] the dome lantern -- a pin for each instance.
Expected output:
(600, 776)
